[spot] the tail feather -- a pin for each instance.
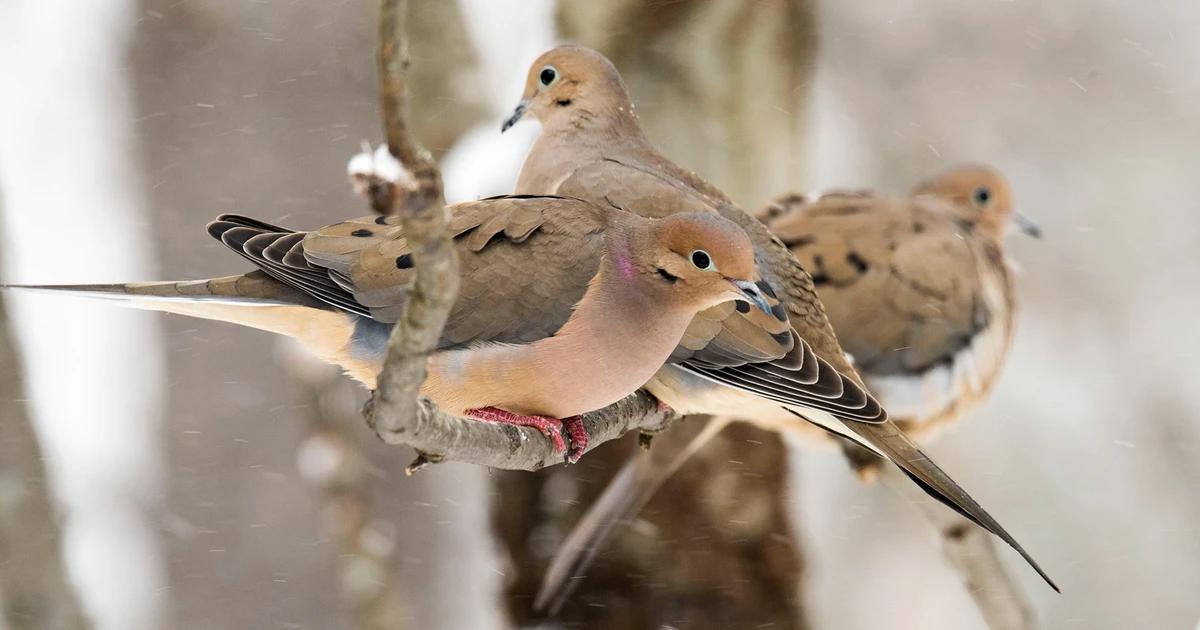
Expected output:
(254, 300)
(892, 442)
(251, 288)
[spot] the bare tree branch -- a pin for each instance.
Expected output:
(396, 411)
(423, 218)
(522, 448)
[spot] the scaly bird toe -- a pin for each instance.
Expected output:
(579, 437)
(550, 427)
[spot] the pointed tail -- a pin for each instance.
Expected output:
(892, 442)
(253, 300)
(254, 288)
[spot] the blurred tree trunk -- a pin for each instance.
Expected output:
(256, 108)
(333, 460)
(34, 592)
(720, 87)
(713, 549)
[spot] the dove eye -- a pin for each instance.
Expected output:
(702, 260)
(547, 76)
(981, 196)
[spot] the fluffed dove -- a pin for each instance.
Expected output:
(592, 147)
(917, 288)
(565, 306)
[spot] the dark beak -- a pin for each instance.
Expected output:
(1026, 225)
(753, 294)
(516, 115)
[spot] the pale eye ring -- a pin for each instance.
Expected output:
(702, 260)
(981, 196)
(548, 76)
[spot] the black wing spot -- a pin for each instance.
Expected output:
(858, 261)
(819, 275)
(404, 262)
(381, 220)
(742, 306)
(918, 227)
(779, 312)
(782, 338)
(767, 289)
(801, 241)
(361, 232)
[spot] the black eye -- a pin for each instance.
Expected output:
(982, 196)
(548, 75)
(702, 260)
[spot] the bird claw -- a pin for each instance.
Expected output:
(550, 427)
(579, 437)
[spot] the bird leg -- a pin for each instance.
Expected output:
(550, 427)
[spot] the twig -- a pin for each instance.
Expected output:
(972, 553)
(423, 218)
(396, 411)
(421, 461)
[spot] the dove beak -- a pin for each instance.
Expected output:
(751, 292)
(516, 115)
(1026, 225)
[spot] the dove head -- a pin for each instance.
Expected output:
(573, 85)
(694, 260)
(979, 195)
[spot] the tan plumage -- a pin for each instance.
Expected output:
(592, 147)
(918, 287)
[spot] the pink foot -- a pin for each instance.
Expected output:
(579, 437)
(550, 427)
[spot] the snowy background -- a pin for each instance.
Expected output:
(126, 126)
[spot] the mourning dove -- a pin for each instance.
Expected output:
(918, 288)
(564, 307)
(920, 293)
(592, 147)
